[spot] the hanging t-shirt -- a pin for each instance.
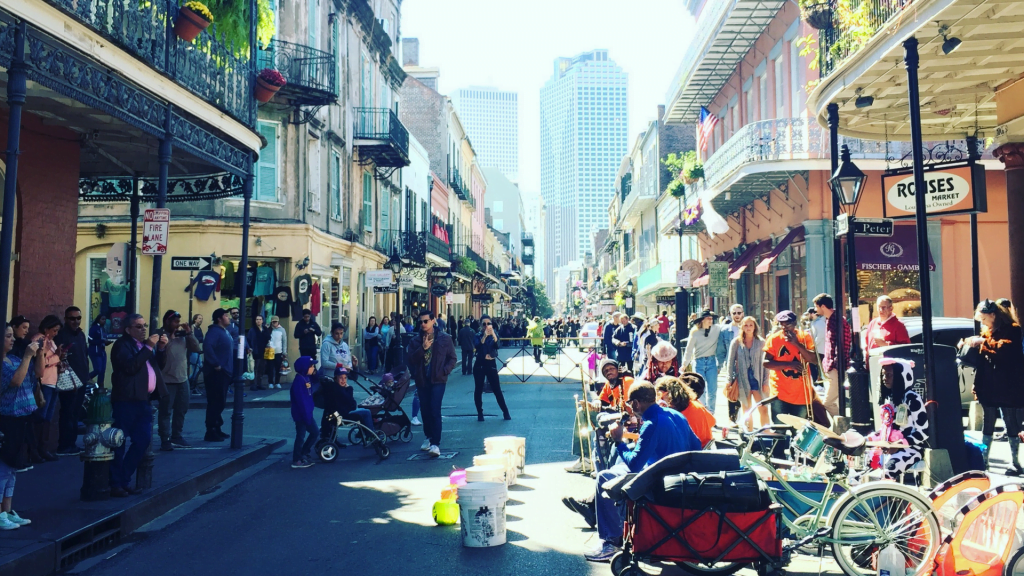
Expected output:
(117, 322)
(206, 283)
(314, 299)
(283, 301)
(250, 281)
(117, 294)
(266, 278)
(228, 283)
(303, 286)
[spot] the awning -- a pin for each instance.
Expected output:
(767, 262)
(741, 263)
(895, 253)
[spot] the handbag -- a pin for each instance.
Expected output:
(268, 353)
(67, 380)
(968, 357)
(732, 391)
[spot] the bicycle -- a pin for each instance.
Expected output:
(863, 519)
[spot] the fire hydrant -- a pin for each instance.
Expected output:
(100, 440)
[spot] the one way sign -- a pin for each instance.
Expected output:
(190, 263)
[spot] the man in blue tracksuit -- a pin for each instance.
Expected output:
(218, 369)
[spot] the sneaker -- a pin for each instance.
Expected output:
(416, 421)
(602, 554)
(434, 451)
(278, 386)
(213, 436)
(180, 442)
(6, 524)
(425, 446)
(13, 517)
(166, 446)
(576, 467)
(72, 451)
(25, 469)
(302, 463)
(585, 509)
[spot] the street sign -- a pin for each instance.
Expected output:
(392, 289)
(438, 290)
(683, 279)
(871, 227)
(156, 225)
(449, 298)
(381, 278)
(718, 278)
(665, 299)
(695, 269)
(196, 263)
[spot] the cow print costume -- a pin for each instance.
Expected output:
(916, 429)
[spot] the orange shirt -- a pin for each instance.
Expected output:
(614, 394)
(789, 385)
(701, 421)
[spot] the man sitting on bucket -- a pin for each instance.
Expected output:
(663, 432)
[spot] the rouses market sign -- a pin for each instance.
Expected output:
(951, 190)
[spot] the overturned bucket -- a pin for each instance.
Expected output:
(482, 514)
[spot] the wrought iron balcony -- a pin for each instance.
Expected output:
(481, 264)
(381, 137)
(838, 43)
(438, 247)
(208, 66)
(310, 72)
(458, 185)
(411, 247)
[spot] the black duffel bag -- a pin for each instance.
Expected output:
(735, 491)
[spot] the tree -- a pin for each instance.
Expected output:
(536, 299)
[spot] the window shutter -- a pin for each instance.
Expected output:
(266, 167)
(314, 36)
(335, 186)
(314, 175)
(367, 201)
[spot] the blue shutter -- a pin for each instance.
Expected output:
(266, 167)
(367, 201)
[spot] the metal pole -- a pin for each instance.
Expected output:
(837, 248)
(237, 415)
(974, 154)
(133, 244)
(17, 88)
(910, 60)
(164, 158)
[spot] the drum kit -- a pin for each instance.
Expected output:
(813, 439)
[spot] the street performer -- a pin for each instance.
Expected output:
(785, 354)
(607, 409)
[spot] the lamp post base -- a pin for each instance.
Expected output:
(96, 481)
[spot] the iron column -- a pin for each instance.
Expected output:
(837, 247)
(17, 88)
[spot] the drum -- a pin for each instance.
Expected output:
(810, 442)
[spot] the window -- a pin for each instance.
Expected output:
(265, 188)
(366, 81)
(335, 185)
(338, 60)
(367, 201)
(762, 89)
(313, 178)
(795, 80)
(499, 224)
(780, 84)
(749, 104)
(735, 118)
(314, 24)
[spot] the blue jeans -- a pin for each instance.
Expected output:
(430, 397)
(610, 514)
(135, 418)
(99, 367)
(708, 368)
(363, 415)
(415, 403)
(45, 414)
(371, 357)
(780, 407)
(304, 448)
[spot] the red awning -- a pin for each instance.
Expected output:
(767, 262)
(741, 263)
(702, 280)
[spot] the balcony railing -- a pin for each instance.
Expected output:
(411, 247)
(458, 185)
(208, 67)
(385, 139)
(437, 247)
(310, 72)
(838, 43)
(481, 264)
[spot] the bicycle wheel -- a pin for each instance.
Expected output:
(714, 569)
(880, 515)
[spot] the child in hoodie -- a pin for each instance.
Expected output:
(302, 413)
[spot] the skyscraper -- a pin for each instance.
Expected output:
(491, 119)
(582, 139)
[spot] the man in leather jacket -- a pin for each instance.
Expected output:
(431, 357)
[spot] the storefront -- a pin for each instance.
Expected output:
(888, 266)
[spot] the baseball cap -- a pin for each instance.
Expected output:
(785, 316)
(339, 370)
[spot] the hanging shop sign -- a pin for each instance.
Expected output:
(667, 299)
(949, 189)
(438, 290)
(483, 298)
(718, 278)
(405, 282)
(380, 278)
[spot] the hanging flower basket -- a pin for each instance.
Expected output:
(193, 18)
(817, 16)
(268, 82)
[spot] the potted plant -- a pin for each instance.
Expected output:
(268, 82)
(694, 172)
(193, 18)
(816, 13)
(677, 189)
(692, 169)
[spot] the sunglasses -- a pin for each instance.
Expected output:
(487, 323)
(73, 318)
(427, 321)
(140, 326)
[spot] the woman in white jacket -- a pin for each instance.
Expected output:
(279, 342)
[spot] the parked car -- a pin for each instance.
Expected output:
(945, 331)
(589, 336)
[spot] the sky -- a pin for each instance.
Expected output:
(513, 45)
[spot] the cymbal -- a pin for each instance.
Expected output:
(885, 445)
(798, 423)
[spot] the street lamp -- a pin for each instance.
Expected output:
(847, 183)
(449, 280)
(395, 263)
(629, 294)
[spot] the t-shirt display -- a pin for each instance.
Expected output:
(314, 299)
(266, 278)
(303, 286)
(206, 283)
(117, 294)
(283, 301)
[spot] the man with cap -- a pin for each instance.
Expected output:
(180, 344)
(786, 352)
(702, 349)
(610, 404)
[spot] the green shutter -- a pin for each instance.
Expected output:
(314, 36)
(367, 201)
(266, 168)
(335, 185)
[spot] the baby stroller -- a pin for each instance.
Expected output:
(687, 511)
(327, 445)
(385, 405)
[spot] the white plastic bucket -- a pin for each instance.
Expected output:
(489, 473)
(515, 446)
(500, 459)
(482, 513)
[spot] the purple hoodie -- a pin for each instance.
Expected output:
(302, 392)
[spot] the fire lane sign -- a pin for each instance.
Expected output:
(156, 226)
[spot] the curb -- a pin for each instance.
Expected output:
(47, 557)
(248, 404)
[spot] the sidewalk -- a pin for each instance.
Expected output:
(65, 530)
(262, 399)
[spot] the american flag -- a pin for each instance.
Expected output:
(705, 126)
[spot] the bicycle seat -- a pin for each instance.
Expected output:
(855, 450)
